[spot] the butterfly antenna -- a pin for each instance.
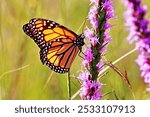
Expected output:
(79, 54)
(82, 25)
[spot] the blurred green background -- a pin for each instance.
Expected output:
(22, 75)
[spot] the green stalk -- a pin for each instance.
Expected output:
(99, 32)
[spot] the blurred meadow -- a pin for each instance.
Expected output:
(22, 75)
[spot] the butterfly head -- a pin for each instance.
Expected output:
(80, 40)
(81, 36)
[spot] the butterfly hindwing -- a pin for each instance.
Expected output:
(59, 57)
(57, 43)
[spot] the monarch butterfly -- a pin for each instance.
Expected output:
(58, 45)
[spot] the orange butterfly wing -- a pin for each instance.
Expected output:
(56, 42)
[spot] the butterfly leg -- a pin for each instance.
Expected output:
(79, 54)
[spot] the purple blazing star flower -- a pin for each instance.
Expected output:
(92, 16)
(94, 41)
(93, 93)
(100, 66)
(90, 89)
(139, 33)
(98, 40)
(84, 76)
(107, 38)
(95, 1)
(108, 25)
(85, 63)
(88, 54)
(107, 5)
(90, 35)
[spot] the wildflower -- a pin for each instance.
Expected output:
(139, 33)
(93, 16)
(97, 35)
(88, 54)
(100, 66)
(95, 1)
(90, 89)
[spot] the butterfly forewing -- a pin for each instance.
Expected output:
(43, 31)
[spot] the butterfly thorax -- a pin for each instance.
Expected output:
(80, 41)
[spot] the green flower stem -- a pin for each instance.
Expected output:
(100, 34)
